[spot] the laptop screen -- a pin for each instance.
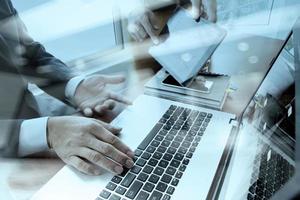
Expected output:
(296, 46)
(271, 112)
(264, 155)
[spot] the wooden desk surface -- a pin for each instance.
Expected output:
(23, 177)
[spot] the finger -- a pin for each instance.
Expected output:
(110, 104)
(153, 20)
(104, 135)
(149, 29)
(88, 112)
(135, 37)
(211, 8)
(113, 79)
(83, 166)
(100, 160)
(107, 105)
(87, 107)
(113, 129)
(139, 38)
(205, 16)
(196, 8)
(141, 32)
(111, 152)
(132, 31)
(101, 109)
(119, 98)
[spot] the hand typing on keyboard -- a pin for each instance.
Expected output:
(162, 157)
(88, 145)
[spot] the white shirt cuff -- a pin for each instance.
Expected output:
(33, 136)
(72, 86)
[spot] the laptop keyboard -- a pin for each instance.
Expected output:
(162, 157)
(271, 172)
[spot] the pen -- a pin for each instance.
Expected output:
(210, 74)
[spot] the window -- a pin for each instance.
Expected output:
(72, 29)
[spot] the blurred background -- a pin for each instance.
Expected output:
(91, 36)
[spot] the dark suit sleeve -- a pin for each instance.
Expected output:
(39, 63)
(9, 137)
(52, 76)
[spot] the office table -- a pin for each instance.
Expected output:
(23, 177)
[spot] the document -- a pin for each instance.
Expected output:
(188, 46)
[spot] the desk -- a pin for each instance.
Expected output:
(17, 173)
(24, 177)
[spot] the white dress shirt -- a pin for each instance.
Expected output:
(33, 132)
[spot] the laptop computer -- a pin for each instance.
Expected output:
(182, 152)
(290, 190)
(263, 161)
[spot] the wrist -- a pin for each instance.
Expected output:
(77, 92)
(50, 126)
(72, 88)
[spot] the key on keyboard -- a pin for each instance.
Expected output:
(162, 157)
(273, 172)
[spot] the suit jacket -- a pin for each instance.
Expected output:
(20, 55)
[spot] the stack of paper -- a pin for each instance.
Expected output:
(214, 99)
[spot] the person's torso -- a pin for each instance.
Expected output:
(12, 86)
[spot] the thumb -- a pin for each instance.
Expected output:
(212, 10)
(87, 112)
(113, 79)
(154, 20)
(196, 8)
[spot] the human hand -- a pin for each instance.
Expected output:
(92, 97)
(88, 144)
(205, 8)
(143, 23)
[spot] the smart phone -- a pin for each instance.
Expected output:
(170, 81)
(193, 86)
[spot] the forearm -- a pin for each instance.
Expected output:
(9, 137)
(41, 64)
(33, 137)
(163, 11)
(20, 138)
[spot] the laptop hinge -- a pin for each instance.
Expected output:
(223, 165)
(234, 122)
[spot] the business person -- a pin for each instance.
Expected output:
(84, 143)
(144, 22)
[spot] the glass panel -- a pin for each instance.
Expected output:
(263, 160)
(34, 85)
(87, 27)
